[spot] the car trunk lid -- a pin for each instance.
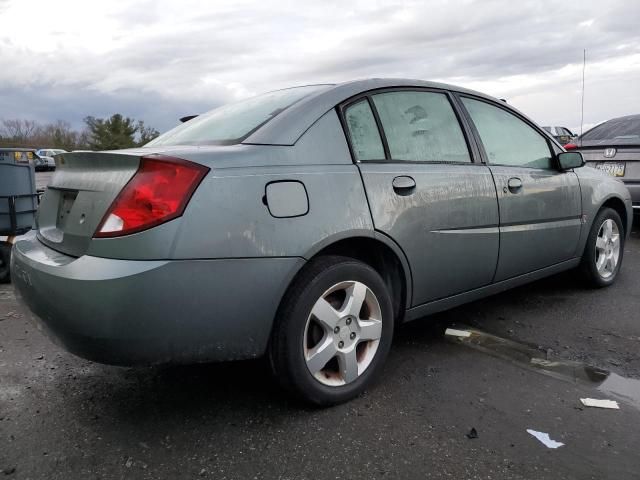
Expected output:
(80, 193)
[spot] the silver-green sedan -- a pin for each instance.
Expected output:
(305, 224)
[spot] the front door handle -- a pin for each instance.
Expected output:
(515, 185)
(404, 185)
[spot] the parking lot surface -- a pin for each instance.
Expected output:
(62, 417)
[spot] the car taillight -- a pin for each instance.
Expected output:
(570, 146)
(158, 192)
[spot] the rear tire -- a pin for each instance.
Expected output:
(5, 262)
(602, 257)
(333, 331)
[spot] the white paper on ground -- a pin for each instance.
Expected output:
(457, 333)
(593, 402)
(544, 438)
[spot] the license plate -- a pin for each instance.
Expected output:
(64, 208)
(615, 169)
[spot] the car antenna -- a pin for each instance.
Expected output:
(584, 65)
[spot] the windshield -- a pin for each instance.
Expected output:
(230, 124)
(617, 129)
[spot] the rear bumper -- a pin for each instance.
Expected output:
(127, 312)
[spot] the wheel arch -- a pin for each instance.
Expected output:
(376, 250)
(384, 256)
(618, 205)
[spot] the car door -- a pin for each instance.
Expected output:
(424, 189)
(540, 206)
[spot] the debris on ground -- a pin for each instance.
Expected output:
(10, 315)
(457, 333)
(544, 438)
(473, 433)
(594, 402)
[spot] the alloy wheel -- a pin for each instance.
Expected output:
(342, 333)
(607, 248)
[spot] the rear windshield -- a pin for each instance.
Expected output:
(230, 124)
(618, 129)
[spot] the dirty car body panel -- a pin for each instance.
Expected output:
(206, 285)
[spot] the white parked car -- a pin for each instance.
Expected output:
(47, 154)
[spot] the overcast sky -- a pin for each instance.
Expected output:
(157, 60)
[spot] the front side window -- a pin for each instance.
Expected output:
(232, 123)
(508, 140)
(363, 131)
(421, 127)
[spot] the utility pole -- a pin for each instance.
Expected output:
(584, 65)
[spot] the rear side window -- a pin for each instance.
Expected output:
(365, 137)
(421, 127)
(233, 123)
(618, 129)
(508, 140)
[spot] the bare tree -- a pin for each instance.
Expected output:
(18, 130)
(114, 132)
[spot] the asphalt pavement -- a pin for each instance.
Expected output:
(62, 417)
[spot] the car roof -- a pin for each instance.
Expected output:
(626, 117)
(289, 125)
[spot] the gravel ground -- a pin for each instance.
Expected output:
(62, 417)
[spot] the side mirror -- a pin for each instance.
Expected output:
(569, 160)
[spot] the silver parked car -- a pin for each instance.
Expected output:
(306, 224)
(562, 134)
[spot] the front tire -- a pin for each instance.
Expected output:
(603, 252)
(333, 332)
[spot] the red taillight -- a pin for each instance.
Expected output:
(158, 192)
(570, 146)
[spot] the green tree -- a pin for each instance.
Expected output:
(145, 134)
(111, 133)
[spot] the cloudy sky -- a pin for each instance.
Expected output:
(158, 60)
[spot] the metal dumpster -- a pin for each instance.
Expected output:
(18, 200)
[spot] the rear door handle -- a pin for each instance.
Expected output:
(514, 184)
(404, 185)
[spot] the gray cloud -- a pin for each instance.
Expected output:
(158, 60)
(72, 104)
